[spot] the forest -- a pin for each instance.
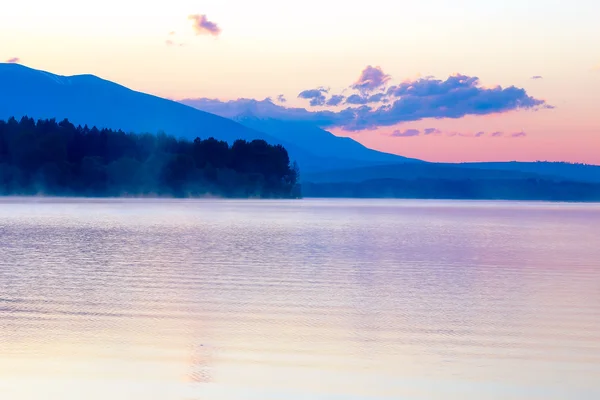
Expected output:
(46, 157)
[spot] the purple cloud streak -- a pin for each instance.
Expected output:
(203, 26)
(456, 97)
(406, 133)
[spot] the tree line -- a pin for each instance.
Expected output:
(61, 159)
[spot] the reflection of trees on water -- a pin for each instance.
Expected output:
(201, 363)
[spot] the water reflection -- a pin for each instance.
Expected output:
(160, 299)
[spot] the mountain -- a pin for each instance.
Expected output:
(87, 99)
(558, 170)
(320, 142)
(463, 171)
(412, 171)
(265, 116)
(459, 189)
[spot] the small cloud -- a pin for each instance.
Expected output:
(335, 100)
(406, 133)
(497, 134)
(537, 77)
(479, 134)
(316, 96)
(171, 33)
(203, 26)
(432, 131)
(371, 78)
(518, 134)
(13, 60)
(281, 98)
(357, 99)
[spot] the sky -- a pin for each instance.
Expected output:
(441, 61)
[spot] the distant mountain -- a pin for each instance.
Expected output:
(87, 99)
(558, 170)
(463, 171)
(412, 171)
(463, 189)
(320, 142)
(322, 156)
(262, 115)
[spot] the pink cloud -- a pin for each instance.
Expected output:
(432, 131)
(406, 133)
(203, 26)
(371, 78)
(13, 60)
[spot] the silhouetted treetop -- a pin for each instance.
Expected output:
(59, 158)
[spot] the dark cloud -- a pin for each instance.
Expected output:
(497, 134)
(357, 99)
(13, 60)
(377, 98)
(335, 100)
(281, 98)
(406, 133)
(432, 131)
(371, 78)
(203, 26)
(316, 96)
(455, 97)
(518, 134)
(537, 77)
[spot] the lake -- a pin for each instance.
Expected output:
(308, 299)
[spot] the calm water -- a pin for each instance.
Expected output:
(188, 300)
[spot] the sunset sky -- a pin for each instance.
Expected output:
(230, 49)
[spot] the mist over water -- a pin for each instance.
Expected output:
(308, 299)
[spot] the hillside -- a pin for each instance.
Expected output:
(472, 171)
(90, 100)
(87, 99)
(263, 116)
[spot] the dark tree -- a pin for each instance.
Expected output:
(61, 159)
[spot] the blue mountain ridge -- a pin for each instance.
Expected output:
(322, 156)
(87, 99)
